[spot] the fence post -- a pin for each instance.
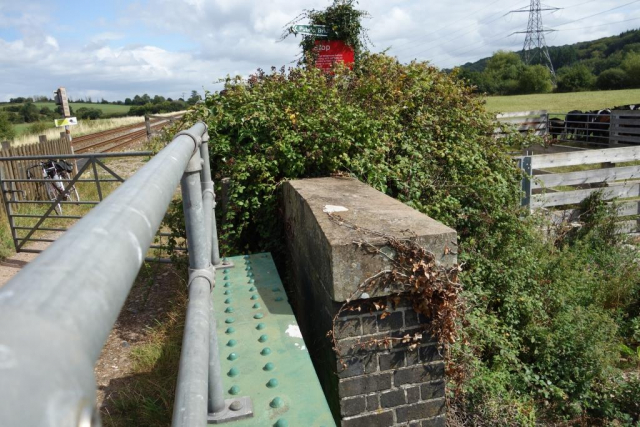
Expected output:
(147, 125)
(525, 164)
(209, 197)
(6, 145)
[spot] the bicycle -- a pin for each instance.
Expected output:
(56, 171)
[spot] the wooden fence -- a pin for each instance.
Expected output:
(625, 127)
(589, 171)
(524, 121)
(17, 169)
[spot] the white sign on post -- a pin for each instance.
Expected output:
(69, 121)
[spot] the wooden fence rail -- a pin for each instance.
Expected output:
(17, 169)
(524, 121)
(606, 171)
(625, 127)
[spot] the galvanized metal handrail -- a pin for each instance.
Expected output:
(56, 314)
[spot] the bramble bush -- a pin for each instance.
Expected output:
(545, 316)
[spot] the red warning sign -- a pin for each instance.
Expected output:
(332, 51)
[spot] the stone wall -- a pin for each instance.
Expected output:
(373, 382)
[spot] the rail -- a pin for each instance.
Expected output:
(56, 314)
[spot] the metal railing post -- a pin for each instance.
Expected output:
(525, 165)
(190, 406)
(208, 193)
(199, 394)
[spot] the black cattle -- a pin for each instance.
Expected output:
(629, 107)
(576, 124)
(600, 122)
(556, 128)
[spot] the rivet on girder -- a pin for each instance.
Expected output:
(265, 351)
(282, 423)
(277, 402)
(254, 296)
(225, 271)
(233, 372)
(236, 405)
(227, 285)
(227, 292)
(226, 277)
(229, 320)
(229, 310)
(258, 316)
(230, 330)
(232, 356)
(248, 268)
(273, 383)
(252, 289)
(269, 367)
(228, 301)
(232, 343)
(256, 305)
(261, 326)
(279, 299)
(249, 274)
(234, 390)
(252, 281)
(263, 338)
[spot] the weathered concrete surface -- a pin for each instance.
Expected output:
(323, 239)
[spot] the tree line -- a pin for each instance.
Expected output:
(606, 64)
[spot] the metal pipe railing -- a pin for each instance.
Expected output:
(56, 314)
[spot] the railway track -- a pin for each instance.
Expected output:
(114, 139)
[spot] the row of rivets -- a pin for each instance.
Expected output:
(233, 372)
(276, 402)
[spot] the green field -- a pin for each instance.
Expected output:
(23, 128)
(107, 109)
(563, 102)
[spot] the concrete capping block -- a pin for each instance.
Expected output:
(347, 267)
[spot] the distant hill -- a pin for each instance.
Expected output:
(598, 55)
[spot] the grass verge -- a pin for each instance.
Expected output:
(144, 397)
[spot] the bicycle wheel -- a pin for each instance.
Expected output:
(53, 194)
(74, 196)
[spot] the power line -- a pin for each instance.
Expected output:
(599, 13)
(500, 15)
(602, 25)
(424, 36)
(421, 52)
(473, 48)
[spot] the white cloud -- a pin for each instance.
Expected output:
(213, 38)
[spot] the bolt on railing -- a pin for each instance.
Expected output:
(56, 314)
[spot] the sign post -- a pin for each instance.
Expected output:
(311, 30)
(330, 52)
(63, 108)
(69, 121)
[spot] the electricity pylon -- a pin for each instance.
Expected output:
(535, 46)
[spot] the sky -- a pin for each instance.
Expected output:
(114, 49)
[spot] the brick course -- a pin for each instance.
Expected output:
(389, 385)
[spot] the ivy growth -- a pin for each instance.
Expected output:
(343, 21)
